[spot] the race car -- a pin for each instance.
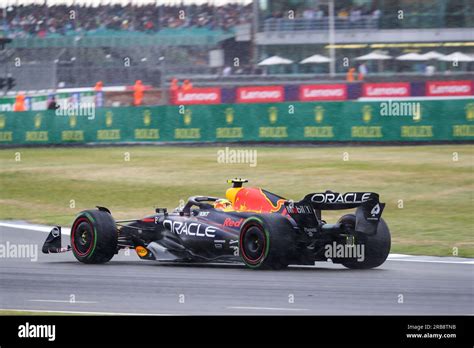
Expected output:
(251, 225)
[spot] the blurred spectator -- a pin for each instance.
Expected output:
(343, 14)
(174, 85)
(227, 71)
(19, 102)
(187, 85)
(138, 93)
(362, 71)
(41, 20)
(430, 70)
(52, 105)
(350, 75)
(98, 86)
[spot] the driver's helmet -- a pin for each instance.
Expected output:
(222, 203)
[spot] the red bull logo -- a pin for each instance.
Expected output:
(228, 222)
(251, 199)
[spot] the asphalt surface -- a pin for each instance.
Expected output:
(129, 285)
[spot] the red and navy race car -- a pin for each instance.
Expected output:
(251, 225)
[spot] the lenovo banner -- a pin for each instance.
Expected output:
(449, 88)
(260, 94)
(323, 92)
(197, 96)
(386, 90)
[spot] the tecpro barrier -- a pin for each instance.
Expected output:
(407, 120)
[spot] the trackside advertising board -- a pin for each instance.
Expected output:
(197, 96)
(323, 92)
(449, 88)
(407, 120)
(386, 90)
(260, 94)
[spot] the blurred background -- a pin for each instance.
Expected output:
(64, 44)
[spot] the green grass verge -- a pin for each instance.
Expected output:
(429, 195)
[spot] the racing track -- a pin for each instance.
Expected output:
(128, 285)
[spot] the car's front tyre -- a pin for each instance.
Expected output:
(94, 236)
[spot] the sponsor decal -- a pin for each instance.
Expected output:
(299, 209)
(375, 213)
(260, 94)
(323, 92)
(36, 136)
(198, 96)
(390, 89)
(228, 222)
(449, 88)
(366, 132)
(416, 132)
(108, 134)
(146, 134)
(72, 135)
(28, 330)
(141, 251)
(203, 213)
(310, 231)
(334, 197)
(229, 132)
(190, 229)
(463, 130)
(187, 133)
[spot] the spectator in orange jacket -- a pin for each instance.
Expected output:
(174, 85)
(187, 85)
(98, 86)
(138, 93)
(174, 89)
(19, 103)
(350, 75)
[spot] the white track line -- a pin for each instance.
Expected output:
(467, 262)
(269, 308)
(84, 312)
(31, 227)
(63, 301)
(391, 257)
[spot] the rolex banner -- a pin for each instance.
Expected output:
(391, 120)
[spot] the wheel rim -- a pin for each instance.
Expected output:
(82, 237)
(253, 244)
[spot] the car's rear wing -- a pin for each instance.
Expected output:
(368, 213)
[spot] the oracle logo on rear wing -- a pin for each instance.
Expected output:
(335, 201)
(335, 197)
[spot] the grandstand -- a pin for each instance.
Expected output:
(75, 43)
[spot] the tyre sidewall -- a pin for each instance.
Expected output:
(104, 236)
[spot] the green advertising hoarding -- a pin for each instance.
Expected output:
(426, 120)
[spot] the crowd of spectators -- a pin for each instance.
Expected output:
(345, 16)
(41, 20)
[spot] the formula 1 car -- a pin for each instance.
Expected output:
(252, 225)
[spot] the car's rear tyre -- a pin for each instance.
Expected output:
(376, 247)
(94, 236)
(267, 241)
